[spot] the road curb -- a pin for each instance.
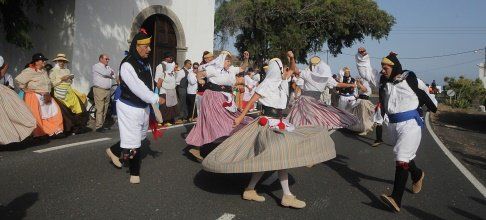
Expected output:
(479, 186)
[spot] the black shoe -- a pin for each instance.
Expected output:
(101, 130)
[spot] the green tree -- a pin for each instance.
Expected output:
(15, 23)
(268, 28)
(467, 92)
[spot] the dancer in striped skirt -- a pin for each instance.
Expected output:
(308, 109)
(270, 143)
(218, 108)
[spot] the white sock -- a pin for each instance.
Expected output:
(255, 177)
(284, 181)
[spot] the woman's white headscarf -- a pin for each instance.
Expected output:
(321, 70)
(274, 89)
(363, 63)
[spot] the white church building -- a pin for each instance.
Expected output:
(84, 29)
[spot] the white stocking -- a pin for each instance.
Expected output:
(255, 177)
(284, 181)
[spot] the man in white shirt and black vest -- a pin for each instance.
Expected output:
(402, 95)
(181, 87)
(134, 105)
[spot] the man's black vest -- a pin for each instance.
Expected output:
(349, 90)
(184, 83)
(144, 74)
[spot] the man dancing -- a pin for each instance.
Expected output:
(134, 104)
(401, 95)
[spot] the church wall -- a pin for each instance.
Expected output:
(104, 26)
(54, 35)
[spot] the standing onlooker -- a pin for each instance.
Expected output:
(181, 87)
(5, 78)
(102, 81)
(166, 82)
(191, 91)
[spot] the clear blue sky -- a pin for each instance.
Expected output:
(427, 28)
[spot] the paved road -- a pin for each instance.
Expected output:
(79, 183)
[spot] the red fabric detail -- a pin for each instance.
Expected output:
(281, 125)
(143, 30)
(153, 125)
(263, 121)
(226, 104)
(402, 164)
(378, 105)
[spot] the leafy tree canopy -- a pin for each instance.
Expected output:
(268, 28)
(15, 23)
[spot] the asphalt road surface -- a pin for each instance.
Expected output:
(75, 180)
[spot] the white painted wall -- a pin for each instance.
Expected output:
(103, 26)
(54, 35)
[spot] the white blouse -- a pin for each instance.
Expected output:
(401, 98)
(221, 76)
(313, 83)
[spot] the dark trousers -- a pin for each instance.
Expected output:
(191, 101)
(134, 163)
(379, 133)
(181, 96)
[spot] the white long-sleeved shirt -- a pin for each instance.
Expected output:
(312, 83)
(130, 78)
(366, 84)
(102, 76)
(401, 98)
(180, 75)
(169, 81)
(250, 85)
(191, 83)
(222, 77)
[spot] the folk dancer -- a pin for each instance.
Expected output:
(402, 94)
(134, 106)
(270, 142)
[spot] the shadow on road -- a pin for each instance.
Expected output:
(478, 200)
(419, 213)
(17, 208)
(464, 213)
(473, 160)
(354, 178)
(27, 143)
(234, 184)
(353, 135)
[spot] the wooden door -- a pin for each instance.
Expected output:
(160, 27)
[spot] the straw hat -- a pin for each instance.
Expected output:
(61, 57)
(315, 60)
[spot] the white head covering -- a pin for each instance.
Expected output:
(217, 63)
(1, 61)
(274, 89)
(321, 70)
(363, 63)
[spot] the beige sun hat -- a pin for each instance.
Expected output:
(61, 57)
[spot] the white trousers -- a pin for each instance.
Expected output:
(133, 124)
(405, 136)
